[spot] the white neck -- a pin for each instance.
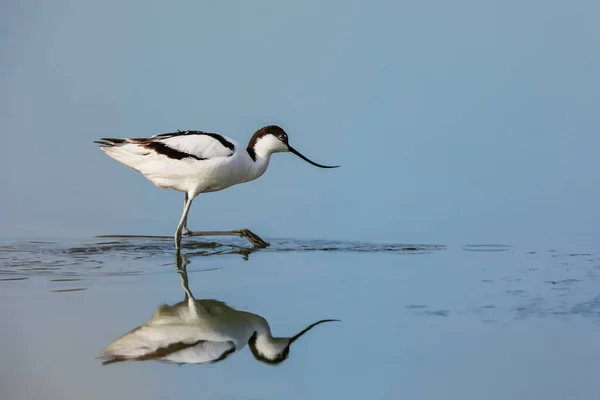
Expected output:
(267, 145)
(260, 325)
(266, 344)
(256, 167)
(260, 154)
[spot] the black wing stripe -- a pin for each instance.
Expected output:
(166, 351)
(161, 148)
(226, 353)
(158, 353)
(215, 136)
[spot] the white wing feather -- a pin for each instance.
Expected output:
(198, 145)
(148, 340)
(202, 353)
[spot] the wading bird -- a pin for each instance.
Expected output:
(197, 162)
(200, 332)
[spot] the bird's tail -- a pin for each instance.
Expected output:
(130, 152)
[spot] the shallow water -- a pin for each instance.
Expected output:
(478, 321)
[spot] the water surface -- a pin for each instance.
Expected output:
(477, 321)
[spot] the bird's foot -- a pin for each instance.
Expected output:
(256, 241)
(253, 238)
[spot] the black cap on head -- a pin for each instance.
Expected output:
(280, 134)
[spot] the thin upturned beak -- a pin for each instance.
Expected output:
(308, 328)
(296, 152)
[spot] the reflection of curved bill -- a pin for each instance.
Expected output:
(200, 331)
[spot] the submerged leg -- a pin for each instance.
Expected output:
(186, 209)
(181, 263)
(253, 238)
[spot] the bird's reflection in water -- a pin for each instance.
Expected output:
(200, 332)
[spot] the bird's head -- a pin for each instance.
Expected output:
(276, 350)
(273, 139)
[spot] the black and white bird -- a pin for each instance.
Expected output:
(197, 162)
(200, 332)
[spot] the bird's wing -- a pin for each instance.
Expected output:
(197, 144)
(180, 344)
(180, 145)
(205, 352)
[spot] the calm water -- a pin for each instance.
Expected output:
(417, 321)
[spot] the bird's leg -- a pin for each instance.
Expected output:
(181, 263)
(185, 230)
(253, 238)
(186, 209)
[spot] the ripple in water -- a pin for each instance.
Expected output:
(486, 247)
(90, 258)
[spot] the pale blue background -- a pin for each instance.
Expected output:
(472, 121)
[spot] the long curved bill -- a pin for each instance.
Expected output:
(296, 152)
(308, 328)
